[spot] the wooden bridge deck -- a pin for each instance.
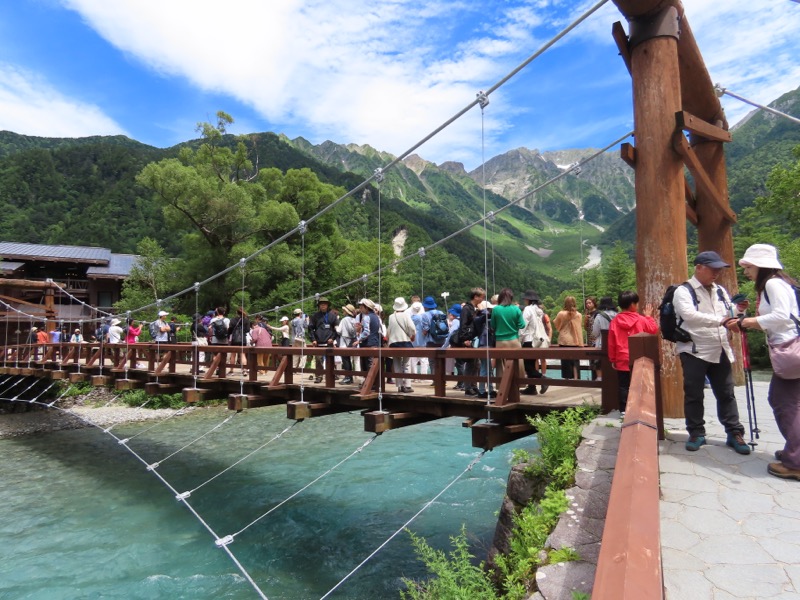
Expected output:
(174, 368)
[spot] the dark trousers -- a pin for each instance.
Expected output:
(531, 371)
(624, 386)
(784, 398)
(695, 371)
(466, 366)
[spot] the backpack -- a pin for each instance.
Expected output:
(607, 317)
(668, 321)
(219, 330)
(154, 330)
(439, 327)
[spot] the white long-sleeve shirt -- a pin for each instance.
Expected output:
(703, 322)
(773, 315)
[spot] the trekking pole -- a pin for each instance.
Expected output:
(748, 388)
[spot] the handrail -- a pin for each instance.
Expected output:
(629, 565)
(116, 356)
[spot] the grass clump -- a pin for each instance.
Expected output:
(456, 577)
(140, 398)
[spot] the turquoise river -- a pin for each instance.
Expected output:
(83, 518)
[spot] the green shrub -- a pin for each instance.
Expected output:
(562, 555)
(456, 577)
(75, 389)
(139, 398)
(559, 434)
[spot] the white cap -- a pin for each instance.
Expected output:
(162, 313)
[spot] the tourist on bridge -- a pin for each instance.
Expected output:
(606, 311)
(705, 312)
(260, 337)
(132, 332)
(239, 331)
(322, 330)
(417, 313)
(453, 323)
(590, 307)
(533, 335)
(368, 327)
(506, 322)
(433, 320)
(347, 336)
(77, 336)
(199, 333)
(779, 316)
(283, 329)
(466, 337)
(114, 335)
(627, 323)
(570, 335)
(485, 337)
(298, 329)
(41, 335)
(219, 327)
(401, 333)
(162, 327)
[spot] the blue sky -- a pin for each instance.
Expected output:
(383, 72)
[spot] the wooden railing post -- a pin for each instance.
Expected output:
(330, 366)
(439, 373)
(609, 386)
(649, 346)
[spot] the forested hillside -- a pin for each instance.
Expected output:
(100, 191)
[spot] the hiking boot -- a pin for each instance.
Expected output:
(544, 387)
(470, 392)
(779, 470)
(487, 395)
(530, 390)
(693, 443)
(317, 379)
(736, 441)
(346, 381)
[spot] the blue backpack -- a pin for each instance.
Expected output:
(440, 328)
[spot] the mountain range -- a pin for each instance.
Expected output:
(83, 191)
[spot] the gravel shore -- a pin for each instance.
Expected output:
(77, 412)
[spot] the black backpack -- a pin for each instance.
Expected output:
(439, 327)
(669, 322)
(219, 329)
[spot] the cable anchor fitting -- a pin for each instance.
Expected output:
(301, 227)
(183, 496)
(421, 252)
(378, 173)
(483, 99)
(719, 90)
(221, 542)
(490, 216)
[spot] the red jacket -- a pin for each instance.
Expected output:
(624, 325)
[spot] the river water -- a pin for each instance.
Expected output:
(83, 518)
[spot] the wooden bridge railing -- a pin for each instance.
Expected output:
(164, 359)
(629, 565)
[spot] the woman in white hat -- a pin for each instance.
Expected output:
(401, 333)
(284, 329)
(777, 314)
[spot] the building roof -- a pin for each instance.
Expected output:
(80, 254)
(9, 266)
(119, 267)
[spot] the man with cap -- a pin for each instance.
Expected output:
(401, 333)
(369, 331)
(704, 312)
(322, 330)
(298, 334)
(162, 327)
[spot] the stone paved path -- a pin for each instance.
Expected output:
(729, 530)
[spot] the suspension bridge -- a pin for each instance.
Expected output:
(673, 96)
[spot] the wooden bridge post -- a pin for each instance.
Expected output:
(647, 346)
(609, 386)
(660, 197)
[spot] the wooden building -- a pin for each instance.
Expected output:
(91, 278)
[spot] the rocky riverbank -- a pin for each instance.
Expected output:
(99, 407)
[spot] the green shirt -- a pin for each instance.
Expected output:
(506, 322)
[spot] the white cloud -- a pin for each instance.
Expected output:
(30, 106)
(384, 72)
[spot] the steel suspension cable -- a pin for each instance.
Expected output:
(719, 90)
(406, 524)
(229, 538)
(155, 465)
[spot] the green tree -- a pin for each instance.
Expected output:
(151, 278)
(619, 271)
(230, 209)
